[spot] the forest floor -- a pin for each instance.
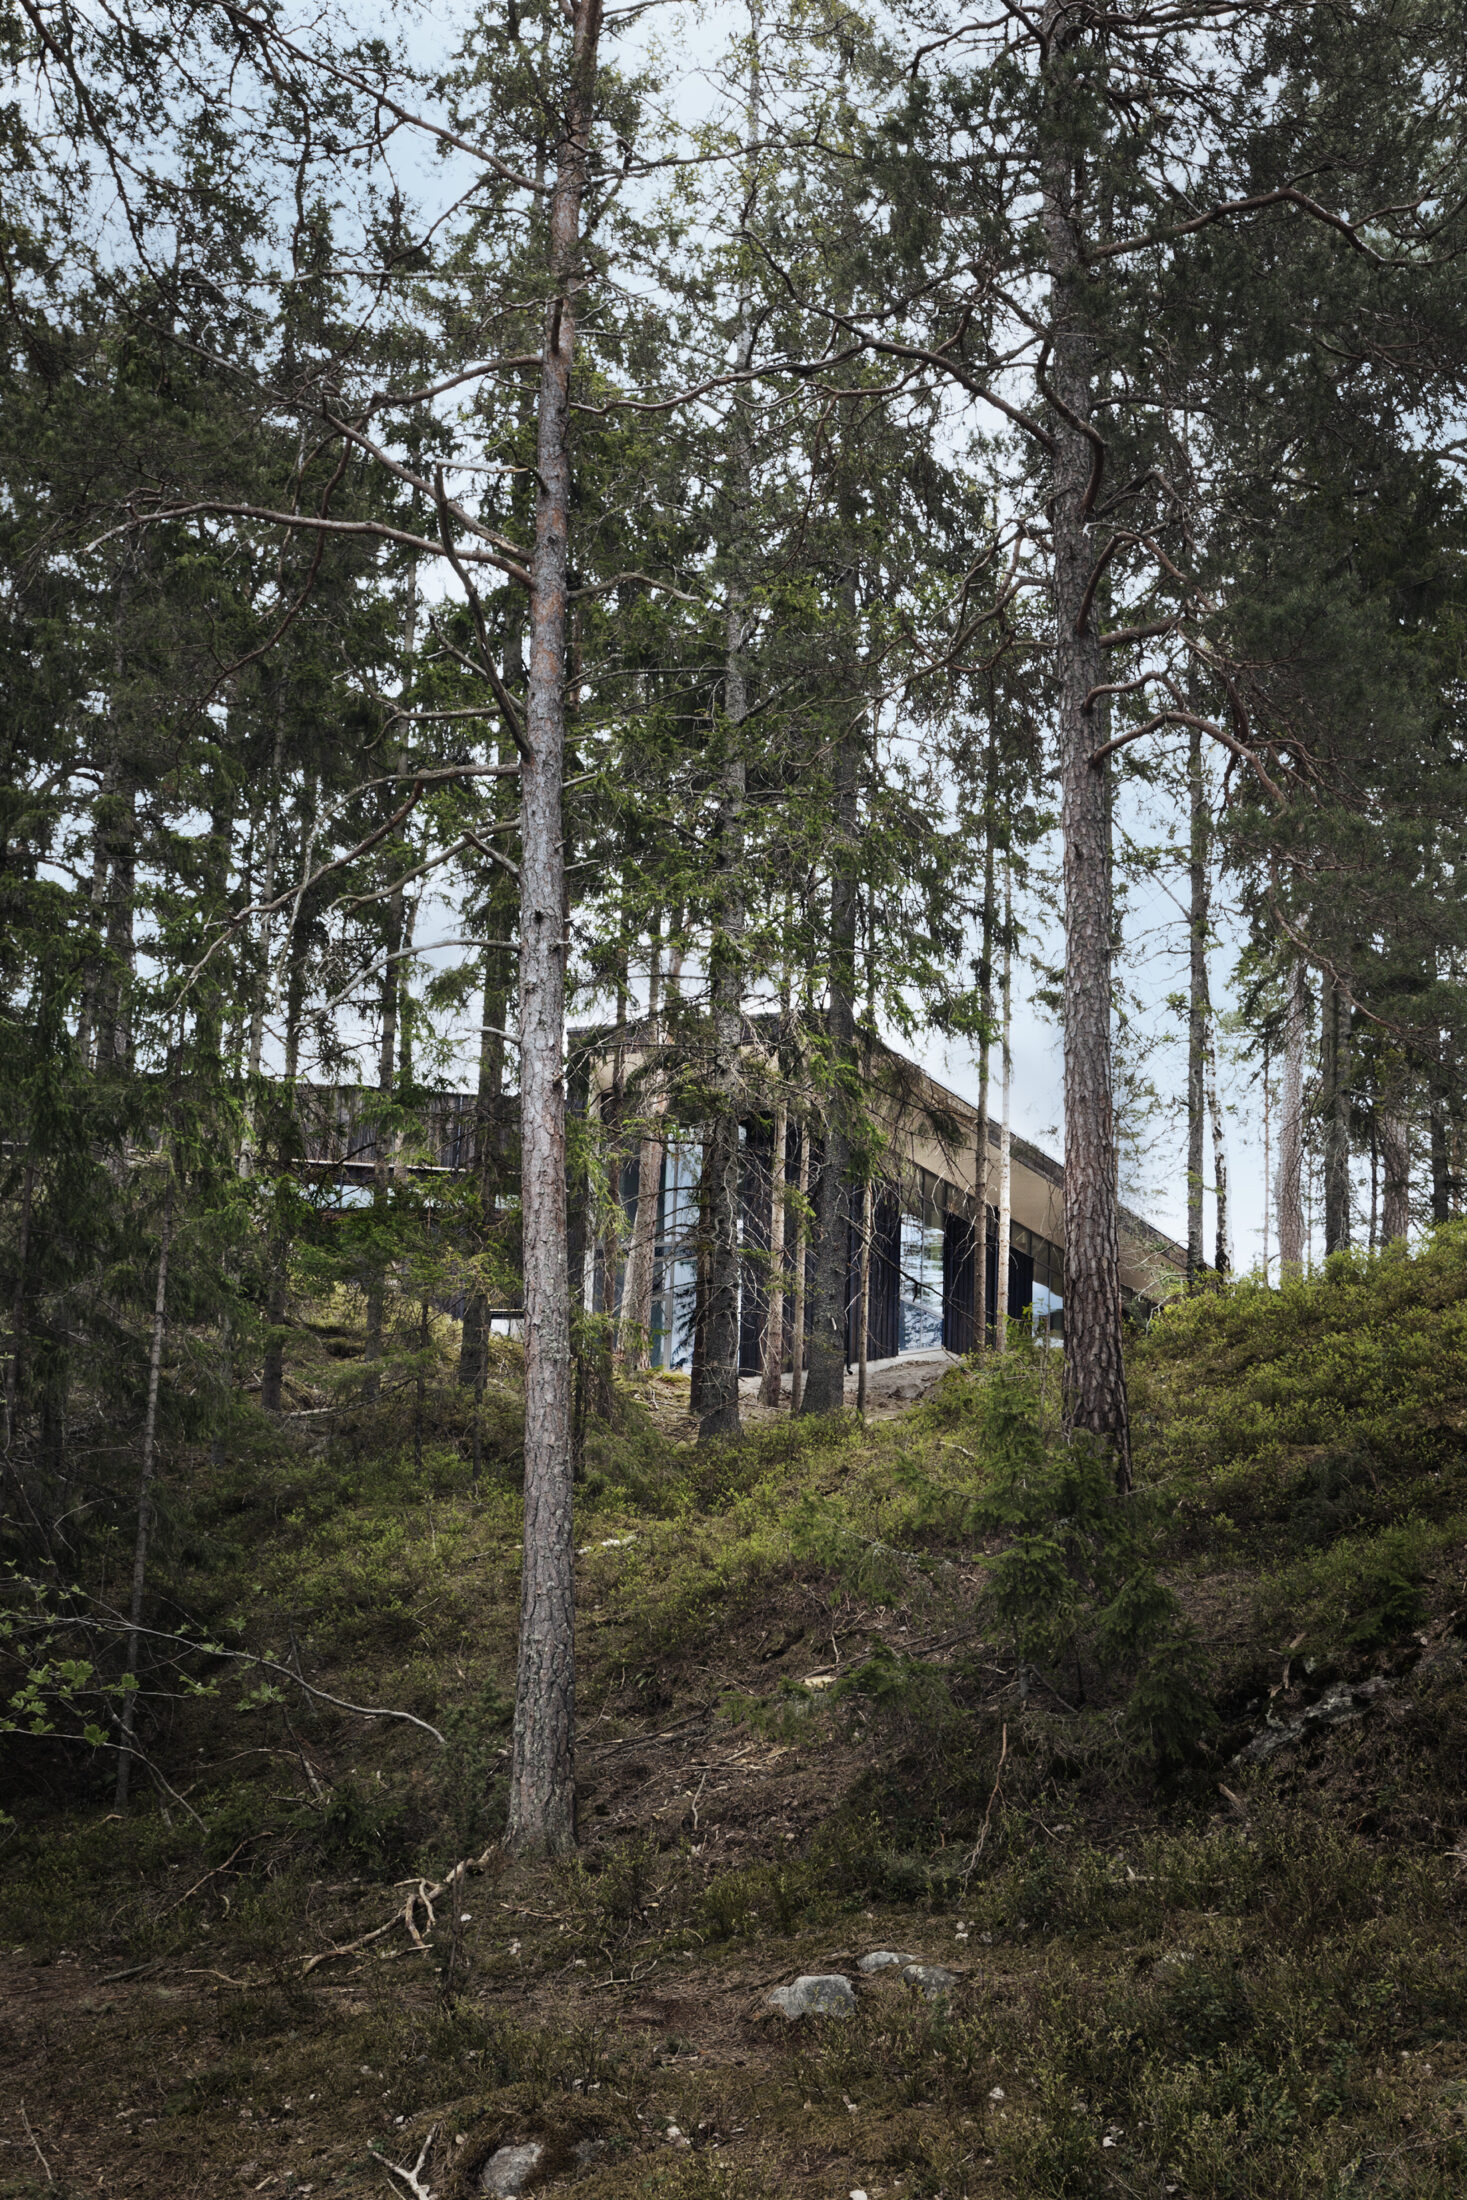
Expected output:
(1233, 1968)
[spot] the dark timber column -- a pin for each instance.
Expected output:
(1095, 1381)
(542, 1790)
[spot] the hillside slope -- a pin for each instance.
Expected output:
(1174, 1790)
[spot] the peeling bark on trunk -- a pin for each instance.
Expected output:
(1291, 1133)
(542, 1783)
(1095, 1379)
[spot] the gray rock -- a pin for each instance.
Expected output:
(882, 1959)
(507, 2173)
(1335, 1707)
(930, 1980)
(820, 1995)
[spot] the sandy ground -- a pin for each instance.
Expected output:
(891, 1385)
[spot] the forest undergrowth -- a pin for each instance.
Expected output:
(1174, 1786)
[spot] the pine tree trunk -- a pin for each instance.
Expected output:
(1334, 1099)
(542, 1779)
(1395, 1154)
(1441, 1167)
(634, 1333)
(145, 1507)
(825, 1385)
(981, 1178)
(798, 1267)
(382, 1150)
(1005, 1139)
(863, 1298)
(1196, 1009)
(1095, 1379)
(773, 1375)
(1267, 1156)
(1222, 1258)
(474, 1336)
(1291, 1132)
(720, 1401)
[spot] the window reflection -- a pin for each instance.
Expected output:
(919, 1304)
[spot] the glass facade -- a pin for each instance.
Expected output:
(675, 1270)
(919, 1285)
(1049, 1281)
(923, 1293)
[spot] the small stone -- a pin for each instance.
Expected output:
(882, 1959)
(507, 2173)
(930, 1980)
(588, 2151)
(818, 1995)
(997, 2093)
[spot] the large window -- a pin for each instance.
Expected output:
(675, 1276)
(919, 1290)
(1049, 1289)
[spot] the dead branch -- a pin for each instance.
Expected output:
(412, 2178)
(421, 1891)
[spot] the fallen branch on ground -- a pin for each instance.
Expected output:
(412, 2178)
(421, 1892)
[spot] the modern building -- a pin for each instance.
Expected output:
(922, 1268)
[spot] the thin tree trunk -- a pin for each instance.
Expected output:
(698, 1377)
(797, 1301)
(773, 1376)
(633, 1332)
(1441, 1173)
(382, 1148)
(720, 1407)
(1395, 1153)
(259, 992)
(1336, 1121)
(1005, 1136)
(1095, 1378)
(1291, 1133)
(825, 1386)
(1222, 1249)
(1196, 1008)
(542, 1778)
(145, 1508)
(474, 1337)
(863, 1298)
(1267, 1158)
(1374, 1182)
(981, 1174)
(15, 1359)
